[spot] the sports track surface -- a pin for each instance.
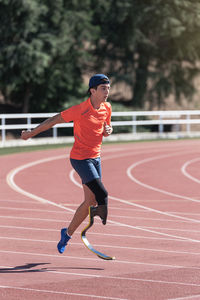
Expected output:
(153, 228)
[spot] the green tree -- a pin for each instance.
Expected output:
(151, 45)
(42, 51)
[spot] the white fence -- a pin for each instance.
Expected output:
(183, 124)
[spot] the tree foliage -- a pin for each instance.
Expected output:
(46, 47)
(42, 51)
(151, 45)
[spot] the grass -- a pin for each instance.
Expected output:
(12, 150)
(20, 149)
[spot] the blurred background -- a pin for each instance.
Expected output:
(150, 49)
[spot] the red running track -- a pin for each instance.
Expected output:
(153, 228)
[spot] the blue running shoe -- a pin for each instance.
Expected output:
(63, 241)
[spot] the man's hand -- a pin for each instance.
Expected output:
(107, 129)
(26, 134)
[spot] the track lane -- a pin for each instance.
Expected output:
(145, 276)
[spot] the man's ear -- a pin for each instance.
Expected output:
(92, 91)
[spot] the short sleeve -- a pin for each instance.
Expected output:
(109, 112)
(71, 114)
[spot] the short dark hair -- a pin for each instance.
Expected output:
(89, 92)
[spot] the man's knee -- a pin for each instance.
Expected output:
(101, 194)
(89, 196)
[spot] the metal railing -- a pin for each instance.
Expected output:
(160, 119)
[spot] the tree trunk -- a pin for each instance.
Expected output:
(140, 87)
(26, 100)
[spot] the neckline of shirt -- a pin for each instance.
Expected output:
(95, 109)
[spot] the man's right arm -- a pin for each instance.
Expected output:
(47, 124)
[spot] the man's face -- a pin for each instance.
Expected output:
(102, 92)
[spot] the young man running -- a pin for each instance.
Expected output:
(92, 121)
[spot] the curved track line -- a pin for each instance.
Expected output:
(147, 186)
(58, 293)
(183, 169)
(13, 185)
(186, 297)
(104, 245)
(151, 187)
(128, 262)
(104, 234)
(72, 172)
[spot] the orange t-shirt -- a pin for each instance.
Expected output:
(88, 128)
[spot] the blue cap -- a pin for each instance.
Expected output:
(98, 79)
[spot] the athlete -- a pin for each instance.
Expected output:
(92, 121)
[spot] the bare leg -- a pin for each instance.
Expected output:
(83, 210)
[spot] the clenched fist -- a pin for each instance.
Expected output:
(26, 134)
(107, 129)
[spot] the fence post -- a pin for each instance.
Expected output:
(177, 129)
(134, 127)
(3, 123)
(188, 124)
(29, 121)
(54, 132)
(161, 125)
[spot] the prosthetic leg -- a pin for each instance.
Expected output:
(100, 211)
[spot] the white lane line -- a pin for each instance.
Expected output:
(184, 213)
(112, 277)
(32, 210)
(43, 206)
(96, 260)
(184, 167)
(12, 184)
(129, 170)
(120, 278)
(156, 232)
(173, 229)
(125, 236)
(72, 178)
(168, 214)
(18, 201)
(111, 223)
(112, 216)
(99, 222)
(58, 292)
(186, 297)
(103, 246)
(34, 219)
(131, 209)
